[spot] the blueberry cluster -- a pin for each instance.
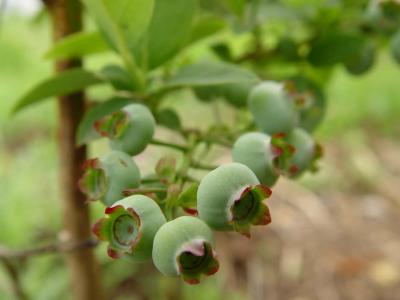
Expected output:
(228, 198)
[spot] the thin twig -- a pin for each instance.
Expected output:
(217, 141)
(14, 276)
(7, 253)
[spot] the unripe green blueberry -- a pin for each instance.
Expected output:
(273, 110)
(363, 61)
(306, 152)
(382, 16)
(130, 130)
(185, 247)
(106, 178)
(314, 107)
(231, 198)
(263, 154)
(130, 227)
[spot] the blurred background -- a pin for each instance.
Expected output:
(334, 235)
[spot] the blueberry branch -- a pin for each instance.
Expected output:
(6, 253)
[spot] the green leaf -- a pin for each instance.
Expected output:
(167, 33)
(188, 199)
(86, 131)
(60, 84)
(78, 45)
(123, 21)
(205, 26)
(169, 118)
(210, 73)
(118, 77)
(334, 47)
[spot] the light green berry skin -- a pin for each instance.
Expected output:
(253, 149)
(395, 46)
(139, 131)
(305, 149)
(217, 190)
(151, 219)
(272, 109)
(172, 236)
(121, 173)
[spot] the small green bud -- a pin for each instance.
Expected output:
(130, 130)
(185, 247)
(106, 178)
(231, 198)
(273, 110)
(130, 227)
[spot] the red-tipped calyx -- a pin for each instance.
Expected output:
(191, 211)
(302, 99)
(93, 182)
(112, 126)
(249, 209)
(195, 260)
(121, 228)
(318, 153)
(282, 152)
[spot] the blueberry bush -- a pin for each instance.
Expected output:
(265, 61)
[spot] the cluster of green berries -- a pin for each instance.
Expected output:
(229, 198)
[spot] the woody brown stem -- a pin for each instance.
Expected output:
(84, 271)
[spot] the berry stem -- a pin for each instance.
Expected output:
(129, 192)
(201, 166)
(169, 145)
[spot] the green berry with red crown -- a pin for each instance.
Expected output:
(130, 130)
(107, 177)
(129, 227)
(185, 247)
(231, 198)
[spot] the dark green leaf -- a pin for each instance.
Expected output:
(362, 61)
(168, 118)
(122, 22)
(205, 26)
(86, 131)
(188, 199)
(335, 47)
(168, 31)
(118, 77)
(64, 83)
(210, 73)
(78, 45)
